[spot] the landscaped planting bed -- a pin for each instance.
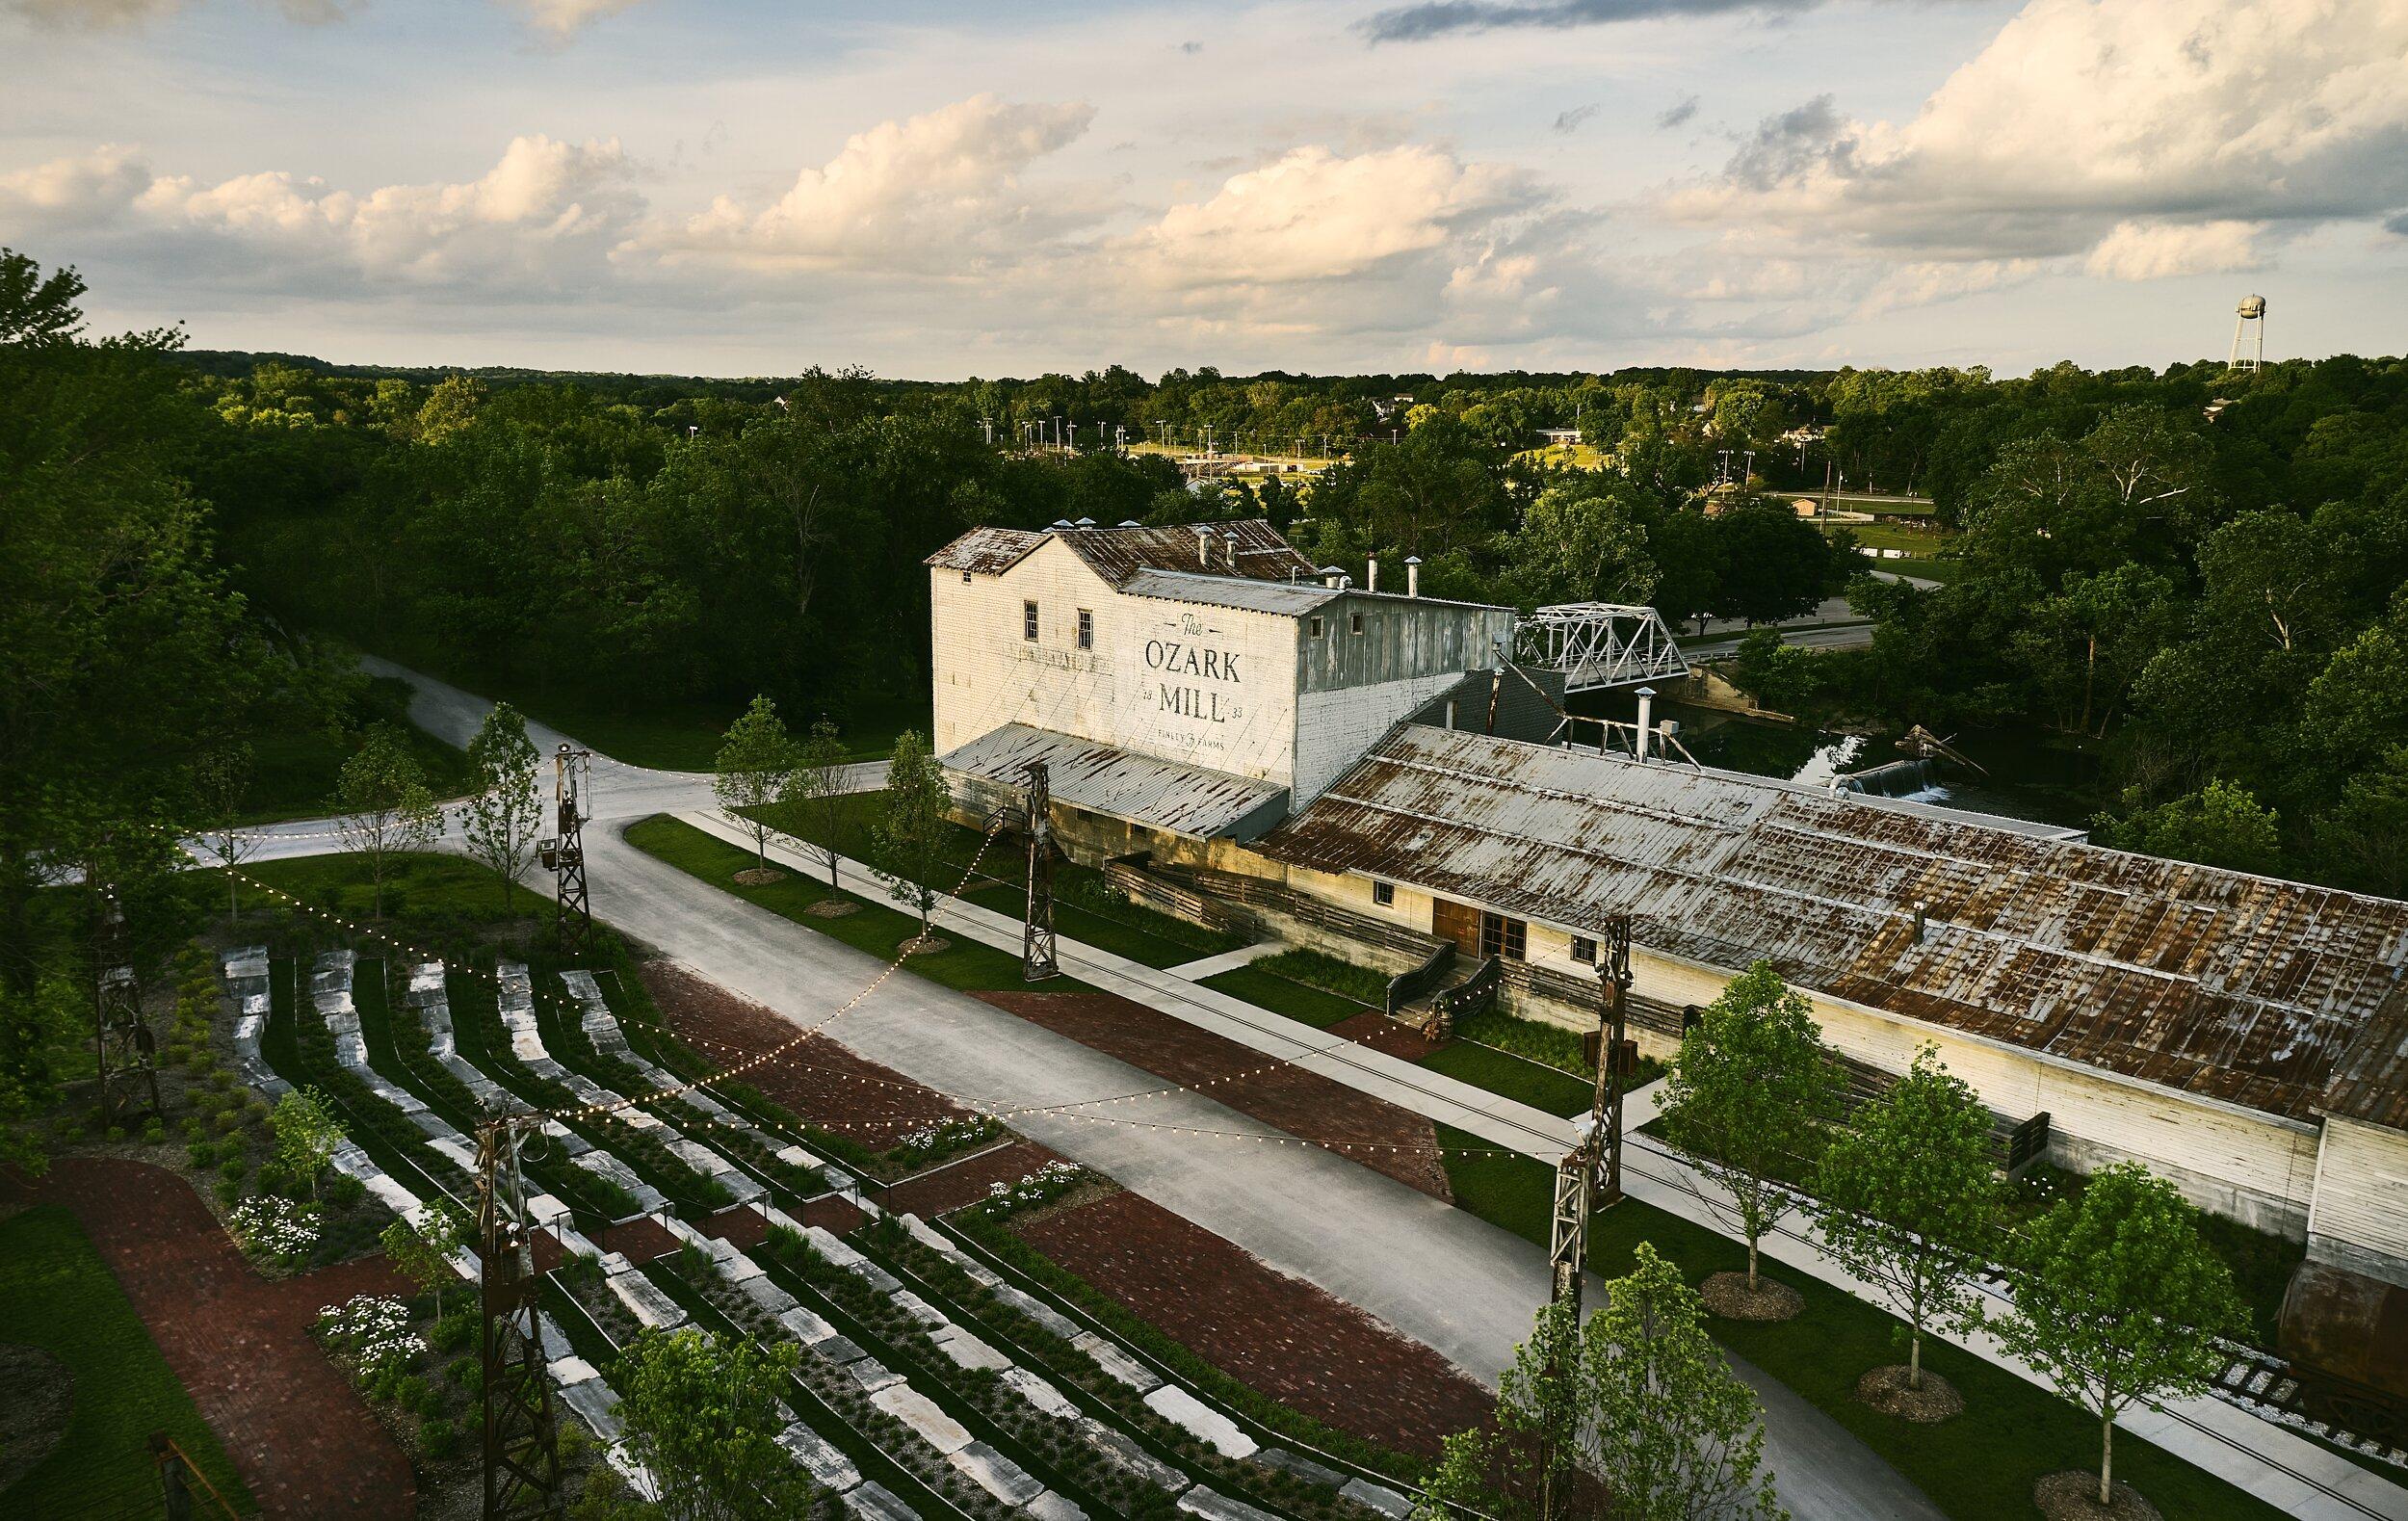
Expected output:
(945, 1281)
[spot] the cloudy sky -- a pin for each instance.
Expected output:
(941, 188)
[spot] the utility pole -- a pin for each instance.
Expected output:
(1040, 955)
(572, 911)
(522, 1454)
(121, 1040)
(1589, 1177)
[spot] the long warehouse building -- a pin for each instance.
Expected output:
(1228, 727)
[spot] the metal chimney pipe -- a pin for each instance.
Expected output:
(1646, 722)
(1229, 542)
(1371, 576)
(1204, 548)
(1412, 575)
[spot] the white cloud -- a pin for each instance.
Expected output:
(97, 16)
(939, 193)
(2081, 116)
(562, 19)
(1314, 215)
(2150, 251)
(1925, 282)
(546, 212)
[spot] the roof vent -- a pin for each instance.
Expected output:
(1130, 522)
(1412, 575)
(1060, 523)
(1084, 523)
(1333, 576)
(1229, 545)
(1204, 545)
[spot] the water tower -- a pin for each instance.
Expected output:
(2251, 309)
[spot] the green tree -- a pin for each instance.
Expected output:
(501, 822)
(306, 1133)
(818, 791)
(1750, 1101)
(34, 1028)
(702, 1413)
(383, 805)
(2220, 825)
(423, 1250)
(1636, 1412)
(1775, 564)
(1906, 1199)
(221, 781)
(1581, 542)
(909, 840)
(2118, 1302)
(1672, 1428)
(118, 639)
(2363, 841)
(753, 773)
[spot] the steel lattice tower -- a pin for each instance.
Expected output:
(572, 911)
(1040, 955)
(1589, 1177)
(522, 1455)
(122, 1043)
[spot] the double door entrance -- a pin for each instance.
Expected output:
(1476, 932)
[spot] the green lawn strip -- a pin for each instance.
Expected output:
(1981, 1464)
(1363, 986)
(1513, 1077)
(56, 1293)
(1085, 909)
(295, 771)
(1284, 996)
(876, 928)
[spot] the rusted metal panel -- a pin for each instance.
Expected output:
(2279, 996)
(1246, 547)
(1209, 591)
(1105, 778)
(988, 551)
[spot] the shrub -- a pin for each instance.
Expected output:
(373, 1330)
(276, 1226)
(229, 1191)
(115, 1134)
(457, 1331)
(438, 1438)
(233, 1166)
(155, 1133)
(343, 1190)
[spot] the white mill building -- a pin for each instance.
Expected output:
(1354, 769)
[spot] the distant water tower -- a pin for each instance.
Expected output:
(2251, 309)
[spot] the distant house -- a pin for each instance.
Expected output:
(1559, 437)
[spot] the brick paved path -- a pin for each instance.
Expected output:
(296, 1432)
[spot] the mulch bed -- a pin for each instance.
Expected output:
(818, 1080)
(37, 1394)
(638, 1241)
(963, 1182)
(1281, 1335)
(1298, 1102)
(1887, 1390)
(1727, 1295)
(2074, 1496)
(298, 1432)
(1386, 1035)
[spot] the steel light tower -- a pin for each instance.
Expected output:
(1040, 954)
(522, 1454)
(573, 793)
(1589, 1177)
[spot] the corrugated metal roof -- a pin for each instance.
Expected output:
(1117, 554)
(1230, 591)
(1105, 778)
(989, 551)
(2242, 989)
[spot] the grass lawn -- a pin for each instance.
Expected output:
(1981, 1465)
(295, 772)
(1282, 995)
(1517, 1078)
(875, 927)
(56, 1293)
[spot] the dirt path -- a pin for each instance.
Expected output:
(299, 1435)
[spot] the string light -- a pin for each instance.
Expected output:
(781, 1054)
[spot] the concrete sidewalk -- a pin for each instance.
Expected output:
(2270, 1462)
(1227, 961)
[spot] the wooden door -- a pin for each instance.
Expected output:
(1456, 922)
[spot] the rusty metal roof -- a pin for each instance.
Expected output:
(989, 551)
(1290, 598)
(1105, 778)
(2276, 996)
(1117, 554)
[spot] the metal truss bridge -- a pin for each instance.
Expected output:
(1599, 644)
